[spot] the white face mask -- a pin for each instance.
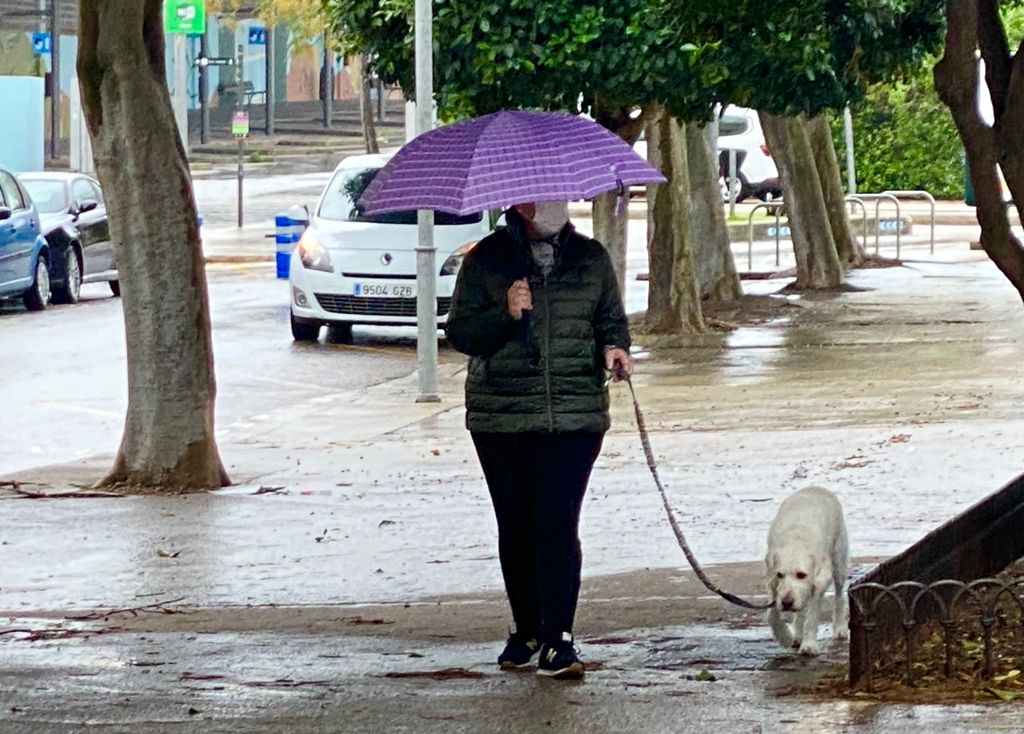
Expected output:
(550, 216)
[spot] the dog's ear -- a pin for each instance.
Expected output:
(822, 573)
(771, 562)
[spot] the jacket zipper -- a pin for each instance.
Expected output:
(547, 354)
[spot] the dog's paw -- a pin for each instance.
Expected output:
(809, 648)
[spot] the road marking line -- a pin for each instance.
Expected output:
(82, 409)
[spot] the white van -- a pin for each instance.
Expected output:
(350, 268)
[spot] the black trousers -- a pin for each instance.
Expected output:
(537, 482)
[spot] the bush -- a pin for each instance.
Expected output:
(904, 138)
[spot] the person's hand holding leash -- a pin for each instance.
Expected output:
(519, 299)
(618, 362)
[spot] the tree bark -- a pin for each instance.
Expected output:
(717, 278)
(366, 106)
(851, 252)
(971, 24)
(675, 302)
(610, 213)
(817, 260)
(660, 245)
(168, 442)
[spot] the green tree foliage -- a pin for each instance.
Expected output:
(803, 56)
(549, 54)
(904, 138)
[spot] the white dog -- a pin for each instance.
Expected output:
(807, 552)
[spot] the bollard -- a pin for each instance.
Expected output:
(288, 229)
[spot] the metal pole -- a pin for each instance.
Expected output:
(731, 183)
(241, 139)
(426, 270)
(271, 91)
(851, 171)
(180, 96)
(241, 177)
(55, 79)
(204, 91)
(328, 90)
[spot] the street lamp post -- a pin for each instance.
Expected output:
(54, 79)
(426, 270)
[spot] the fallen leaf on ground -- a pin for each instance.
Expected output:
(1001, 694)
(360, 620)
(442, 674)
(167, 554)
(199, 676)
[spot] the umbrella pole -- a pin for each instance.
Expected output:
(426, 270)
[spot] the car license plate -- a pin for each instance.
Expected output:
(384, 290)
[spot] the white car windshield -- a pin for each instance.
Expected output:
(347, 185)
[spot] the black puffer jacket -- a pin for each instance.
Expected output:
(546, 372)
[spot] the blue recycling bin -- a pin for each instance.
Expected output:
(288, 229)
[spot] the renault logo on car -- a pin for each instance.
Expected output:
(386, 258)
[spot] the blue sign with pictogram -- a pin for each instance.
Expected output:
(40, 43)
(257, 36)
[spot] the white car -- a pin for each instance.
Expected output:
(739, 129)
(350, 268)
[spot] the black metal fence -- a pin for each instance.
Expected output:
(939, 598)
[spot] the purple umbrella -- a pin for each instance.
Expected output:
(505, 158)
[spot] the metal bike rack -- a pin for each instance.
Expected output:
(878, 199)
(916, 194)
(777, 206)
(856, 200)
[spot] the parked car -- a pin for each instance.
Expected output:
(24, 253)
(739, 129)
(352, 268)
(73, 217)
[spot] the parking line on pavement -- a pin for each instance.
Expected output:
(81, 409)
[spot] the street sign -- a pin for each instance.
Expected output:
(213, 61)
(240, 124)
(257, 36)
(41, 43)
(185, 16)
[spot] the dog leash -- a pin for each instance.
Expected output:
(680, 538)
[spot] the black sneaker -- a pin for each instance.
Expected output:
(558, 660)
(520, 651)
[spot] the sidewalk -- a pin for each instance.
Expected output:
(354, 563)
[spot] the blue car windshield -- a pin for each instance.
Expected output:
(344, 190)
(50, 197)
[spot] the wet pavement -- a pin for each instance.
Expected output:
(359, 537)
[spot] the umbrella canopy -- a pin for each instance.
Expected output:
(505, 158)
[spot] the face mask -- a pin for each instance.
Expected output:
(550, 216)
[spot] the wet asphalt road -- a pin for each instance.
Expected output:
(64, 379)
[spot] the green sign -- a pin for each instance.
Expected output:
(185, 16)
(240, 124)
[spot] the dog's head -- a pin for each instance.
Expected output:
(794, 578)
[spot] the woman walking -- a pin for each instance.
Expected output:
(537, 308)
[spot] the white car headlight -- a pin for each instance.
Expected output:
(454, 262)
(314, 255)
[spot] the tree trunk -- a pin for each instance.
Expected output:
(671, 255)
(716, 270)
(366, 106)
(168, 442)
(660, 245)
(823, 147)
(610, 213)
(817, 260)
(971, 24)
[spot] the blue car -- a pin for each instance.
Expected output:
(24, 255)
